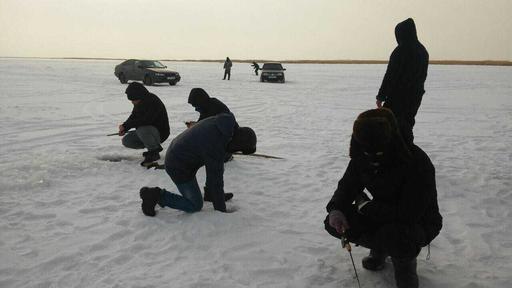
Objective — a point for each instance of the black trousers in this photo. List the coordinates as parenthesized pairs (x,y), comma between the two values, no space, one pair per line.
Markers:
(227,72)
(394,239)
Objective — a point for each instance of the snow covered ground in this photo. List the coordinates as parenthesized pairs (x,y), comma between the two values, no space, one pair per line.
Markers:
(70,219)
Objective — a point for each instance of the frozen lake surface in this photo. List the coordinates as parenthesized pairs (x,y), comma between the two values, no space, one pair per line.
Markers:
(70,219)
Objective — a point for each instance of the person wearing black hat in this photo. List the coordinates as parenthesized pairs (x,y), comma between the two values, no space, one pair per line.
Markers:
(400,215)
(203,144)
(402,87)
(150,120)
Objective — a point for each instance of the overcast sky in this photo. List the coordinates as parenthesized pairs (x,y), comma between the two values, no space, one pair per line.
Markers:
(252,29)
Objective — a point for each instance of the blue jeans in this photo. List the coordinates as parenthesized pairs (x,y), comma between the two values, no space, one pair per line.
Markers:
(189,201)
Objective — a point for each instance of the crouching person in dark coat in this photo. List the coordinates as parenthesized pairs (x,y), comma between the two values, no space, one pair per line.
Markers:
(207,107)
(401,214)
(150,120)
(204,104)
(204,144)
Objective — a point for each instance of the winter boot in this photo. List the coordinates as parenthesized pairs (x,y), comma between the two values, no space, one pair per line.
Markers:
(405,272)
(207,198)
(159,149)
(150,157)
(150,197)
(375,261)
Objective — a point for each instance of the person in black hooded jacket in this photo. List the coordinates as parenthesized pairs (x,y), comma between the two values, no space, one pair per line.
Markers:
(150,120)
(402,214)
(207,107)
(402,88)
(204,144)
(204,104)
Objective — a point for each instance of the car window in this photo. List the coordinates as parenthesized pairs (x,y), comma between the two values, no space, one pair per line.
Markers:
(152,64)
(272,66)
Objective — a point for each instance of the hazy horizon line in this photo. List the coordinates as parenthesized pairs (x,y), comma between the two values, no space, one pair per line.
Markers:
(302,61)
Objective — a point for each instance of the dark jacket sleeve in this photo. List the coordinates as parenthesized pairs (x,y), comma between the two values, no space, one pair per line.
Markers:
(144,115)
(348,188)
(215,182)
(390,78)
(412,201)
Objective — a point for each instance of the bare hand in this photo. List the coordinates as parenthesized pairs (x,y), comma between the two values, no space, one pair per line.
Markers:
(190,123)
(121,130)
(338,221)
(379,103)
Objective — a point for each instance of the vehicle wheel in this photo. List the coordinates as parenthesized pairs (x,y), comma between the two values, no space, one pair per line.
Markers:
(122,78)
(172,83)
(147,80)
(282,81)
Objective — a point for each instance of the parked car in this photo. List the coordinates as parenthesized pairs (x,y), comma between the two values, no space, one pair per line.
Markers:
(147,71)
(272,71)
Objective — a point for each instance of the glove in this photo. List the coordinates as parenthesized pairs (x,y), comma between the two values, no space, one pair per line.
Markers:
(338,221)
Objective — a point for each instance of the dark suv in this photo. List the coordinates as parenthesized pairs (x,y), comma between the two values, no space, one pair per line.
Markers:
(149,71)
(272,71)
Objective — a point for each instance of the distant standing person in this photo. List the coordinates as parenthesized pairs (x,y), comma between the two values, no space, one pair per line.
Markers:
(150,120)
(402,88)
(204,144)
(256,67)
(227,68)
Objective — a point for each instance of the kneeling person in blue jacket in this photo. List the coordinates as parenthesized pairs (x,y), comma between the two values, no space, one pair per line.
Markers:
(204,144)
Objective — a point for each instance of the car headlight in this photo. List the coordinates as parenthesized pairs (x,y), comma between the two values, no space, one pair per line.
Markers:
(280,74)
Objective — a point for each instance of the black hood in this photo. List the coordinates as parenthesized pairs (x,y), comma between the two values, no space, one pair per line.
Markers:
(198,97)
(406,32)
(136,91)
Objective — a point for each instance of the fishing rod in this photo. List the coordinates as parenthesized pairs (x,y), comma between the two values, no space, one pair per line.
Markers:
(345,244)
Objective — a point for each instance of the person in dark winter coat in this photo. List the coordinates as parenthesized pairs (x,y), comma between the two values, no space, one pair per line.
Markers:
(204,144)
(150,120)
(402,214)
(227,68)
(205,105)
(256,67)
(402,88)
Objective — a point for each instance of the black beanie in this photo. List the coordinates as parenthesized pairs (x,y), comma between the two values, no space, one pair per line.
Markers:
(244,139)
(136,91)
(197,97)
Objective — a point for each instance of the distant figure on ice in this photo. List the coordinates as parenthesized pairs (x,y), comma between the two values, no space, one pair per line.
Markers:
(204,144)
(402,214)
(149,118)
(207,107)
(403,85)
(256,67)
(227,68)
